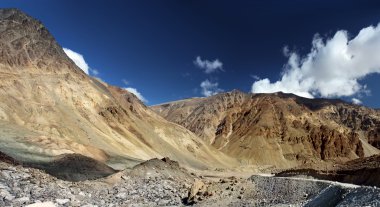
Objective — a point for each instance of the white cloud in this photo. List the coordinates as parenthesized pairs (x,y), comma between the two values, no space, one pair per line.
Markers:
(134,91)
(255,77)
(77,59)
(137,94)
(94,72)
(331,69)
(208,66)
(209,88)
(356,101)
(125,81)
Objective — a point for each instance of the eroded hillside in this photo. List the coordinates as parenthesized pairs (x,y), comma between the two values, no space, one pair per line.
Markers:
(279,129)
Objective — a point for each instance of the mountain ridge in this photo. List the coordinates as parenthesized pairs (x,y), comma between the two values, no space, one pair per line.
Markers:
(303,130)
(50,107)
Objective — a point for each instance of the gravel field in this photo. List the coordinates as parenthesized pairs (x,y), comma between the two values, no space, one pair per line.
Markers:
(165,183)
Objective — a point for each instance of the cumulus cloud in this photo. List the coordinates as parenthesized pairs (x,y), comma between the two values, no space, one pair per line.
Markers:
(77,59)
(333,67)
(210,88)
(137,94)
(208,66)
(356,101)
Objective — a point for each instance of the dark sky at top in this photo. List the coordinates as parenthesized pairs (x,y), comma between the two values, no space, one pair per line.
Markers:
(152,44)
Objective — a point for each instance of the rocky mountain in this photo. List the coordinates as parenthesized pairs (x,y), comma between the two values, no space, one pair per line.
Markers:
(281,130)
(50,107)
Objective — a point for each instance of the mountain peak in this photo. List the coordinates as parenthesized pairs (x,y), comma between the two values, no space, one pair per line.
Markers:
(25,43)
(13,13)
(236,91)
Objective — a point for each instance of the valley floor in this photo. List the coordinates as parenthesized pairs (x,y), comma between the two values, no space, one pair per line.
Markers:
(164,183)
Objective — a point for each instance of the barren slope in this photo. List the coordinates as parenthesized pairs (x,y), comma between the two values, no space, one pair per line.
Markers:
(279,129)
(48,107)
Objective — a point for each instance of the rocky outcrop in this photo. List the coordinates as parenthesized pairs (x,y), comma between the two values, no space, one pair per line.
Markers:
(374,137)
(328,143)
(360,119)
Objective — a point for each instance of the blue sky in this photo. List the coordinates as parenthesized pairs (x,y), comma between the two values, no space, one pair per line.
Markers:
(154,45)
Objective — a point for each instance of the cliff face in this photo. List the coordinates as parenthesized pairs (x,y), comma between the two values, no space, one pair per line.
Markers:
(361,119)
(49,107)
(278,129)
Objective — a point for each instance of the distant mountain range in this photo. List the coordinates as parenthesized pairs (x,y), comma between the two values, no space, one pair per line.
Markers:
(279,129)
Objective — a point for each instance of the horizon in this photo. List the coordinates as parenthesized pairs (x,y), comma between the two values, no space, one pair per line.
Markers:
(168,53)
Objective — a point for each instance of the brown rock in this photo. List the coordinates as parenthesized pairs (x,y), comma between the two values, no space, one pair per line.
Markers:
(197,186)
(278,129)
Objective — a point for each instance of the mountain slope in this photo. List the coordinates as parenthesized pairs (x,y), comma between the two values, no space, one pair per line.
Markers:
(49,107)
(278,129)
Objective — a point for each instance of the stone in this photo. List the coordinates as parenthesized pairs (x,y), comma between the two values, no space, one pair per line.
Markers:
(22,200)
(89,205)
(197,185)
(121,195)
(62,201)
(6,195)
(43,204)
(163,202)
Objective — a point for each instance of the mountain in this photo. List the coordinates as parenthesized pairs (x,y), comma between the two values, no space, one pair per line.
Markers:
(281,130)
(50,107)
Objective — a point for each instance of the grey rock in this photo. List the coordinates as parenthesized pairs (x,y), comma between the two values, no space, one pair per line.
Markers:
(22,200)
(62,201)
(121,195)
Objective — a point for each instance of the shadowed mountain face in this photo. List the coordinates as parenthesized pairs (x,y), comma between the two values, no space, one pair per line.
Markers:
(279,129)
(49,107)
